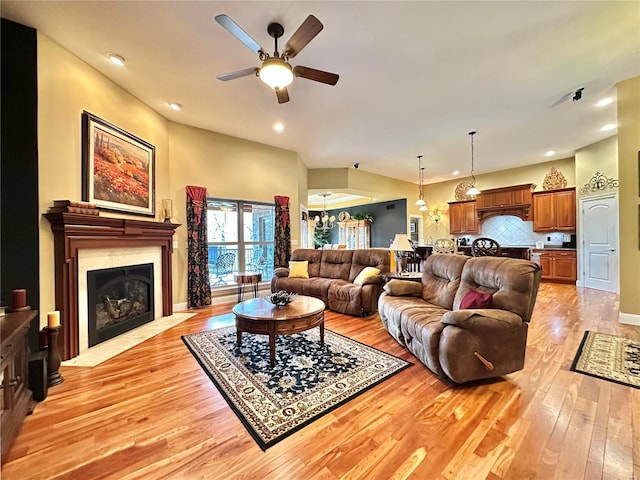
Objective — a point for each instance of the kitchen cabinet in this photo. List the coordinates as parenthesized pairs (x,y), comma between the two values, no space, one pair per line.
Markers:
(15,399)
(463,217)
(554,211)
(355,234)
(558,265)
(513,200)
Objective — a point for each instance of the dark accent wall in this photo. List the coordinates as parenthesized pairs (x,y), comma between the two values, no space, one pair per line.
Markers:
(389,218)
(19,257)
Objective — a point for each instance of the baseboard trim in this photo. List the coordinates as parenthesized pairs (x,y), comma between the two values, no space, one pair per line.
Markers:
(228,295)
(629,318)
(178,307)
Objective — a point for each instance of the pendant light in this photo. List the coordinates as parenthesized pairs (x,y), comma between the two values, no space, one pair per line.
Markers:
(420,200)
(472,189)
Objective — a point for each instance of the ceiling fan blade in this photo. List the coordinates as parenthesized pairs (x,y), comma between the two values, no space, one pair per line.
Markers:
(305,33)
(283,95)
(237,74)
(234,29)
(316,75)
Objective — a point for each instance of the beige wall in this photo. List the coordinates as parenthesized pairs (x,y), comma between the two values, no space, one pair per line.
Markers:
(228,167)
(628,148)
(600,157)
(66,87)
(377,187)
(235,168)
(439,194)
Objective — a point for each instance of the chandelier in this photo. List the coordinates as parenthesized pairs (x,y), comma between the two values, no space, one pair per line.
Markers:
(472,189)
(323,221)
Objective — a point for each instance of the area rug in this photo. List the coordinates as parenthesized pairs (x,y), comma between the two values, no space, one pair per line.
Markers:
(609,357)
(307,381)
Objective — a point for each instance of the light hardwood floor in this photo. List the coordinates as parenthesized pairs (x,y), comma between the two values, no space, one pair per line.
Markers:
(152,413)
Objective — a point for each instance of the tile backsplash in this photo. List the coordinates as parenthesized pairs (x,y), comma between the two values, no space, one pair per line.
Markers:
(510,230)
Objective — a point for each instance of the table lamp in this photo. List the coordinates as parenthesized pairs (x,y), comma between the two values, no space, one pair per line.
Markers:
(401,246)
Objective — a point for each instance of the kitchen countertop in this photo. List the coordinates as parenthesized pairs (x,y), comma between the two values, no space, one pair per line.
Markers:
(523,247)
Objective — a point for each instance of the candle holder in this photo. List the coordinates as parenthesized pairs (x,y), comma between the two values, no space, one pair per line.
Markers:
(53,357)
(167,209)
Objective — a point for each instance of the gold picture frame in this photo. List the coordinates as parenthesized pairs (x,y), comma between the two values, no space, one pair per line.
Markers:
(118,168)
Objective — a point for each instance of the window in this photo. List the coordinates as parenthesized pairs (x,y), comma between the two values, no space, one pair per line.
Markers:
(239,242)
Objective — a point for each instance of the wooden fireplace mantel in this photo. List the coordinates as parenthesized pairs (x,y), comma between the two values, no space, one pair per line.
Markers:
(72,232)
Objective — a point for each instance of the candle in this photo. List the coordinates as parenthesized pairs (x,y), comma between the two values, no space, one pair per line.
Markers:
(53,319)
(167,208)
(19,298)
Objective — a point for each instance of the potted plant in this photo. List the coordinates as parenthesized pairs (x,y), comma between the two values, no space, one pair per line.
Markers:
(362,216)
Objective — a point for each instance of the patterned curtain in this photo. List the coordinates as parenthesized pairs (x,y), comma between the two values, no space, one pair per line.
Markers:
(282,234)
(198,287)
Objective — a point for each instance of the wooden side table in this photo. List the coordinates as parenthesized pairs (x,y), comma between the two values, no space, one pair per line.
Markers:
(247,278)
(413,276)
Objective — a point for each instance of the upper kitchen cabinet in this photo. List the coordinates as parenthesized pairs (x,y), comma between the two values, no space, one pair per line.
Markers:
(554,210)
(512,200)
(463,217)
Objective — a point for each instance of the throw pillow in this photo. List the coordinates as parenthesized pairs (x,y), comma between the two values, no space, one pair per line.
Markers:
(398,288)
(476,299)
(365,273)
(299,269)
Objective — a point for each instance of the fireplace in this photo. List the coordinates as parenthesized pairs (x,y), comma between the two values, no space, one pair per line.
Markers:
(119,299)
(104,242)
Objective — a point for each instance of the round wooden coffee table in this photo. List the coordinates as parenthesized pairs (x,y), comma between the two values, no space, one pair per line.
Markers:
(259,316)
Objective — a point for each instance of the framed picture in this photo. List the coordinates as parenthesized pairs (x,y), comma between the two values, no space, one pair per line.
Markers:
(412,227)
(118,168)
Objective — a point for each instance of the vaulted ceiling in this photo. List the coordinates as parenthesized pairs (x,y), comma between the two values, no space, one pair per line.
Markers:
(415,77)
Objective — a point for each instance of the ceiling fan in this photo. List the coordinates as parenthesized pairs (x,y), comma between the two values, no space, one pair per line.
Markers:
(276,70)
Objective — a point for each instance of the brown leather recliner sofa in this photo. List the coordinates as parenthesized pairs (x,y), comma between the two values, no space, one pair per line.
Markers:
(464,344)
(331,276)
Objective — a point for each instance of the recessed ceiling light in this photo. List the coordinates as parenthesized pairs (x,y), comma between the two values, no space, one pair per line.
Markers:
(278,127)
(117,59)
(604,101)
(176,106)
(456,172)
(550,153)
(608,126)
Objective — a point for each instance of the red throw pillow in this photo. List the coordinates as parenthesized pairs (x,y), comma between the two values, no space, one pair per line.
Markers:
(476,299)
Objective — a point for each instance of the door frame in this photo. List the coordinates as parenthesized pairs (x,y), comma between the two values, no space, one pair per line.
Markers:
(580,243)
(420,227)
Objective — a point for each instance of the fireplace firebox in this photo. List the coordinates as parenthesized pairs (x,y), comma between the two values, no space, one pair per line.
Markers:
(119,299)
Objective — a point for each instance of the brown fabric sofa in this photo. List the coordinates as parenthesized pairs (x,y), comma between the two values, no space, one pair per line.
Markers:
(469,344)
(331,276)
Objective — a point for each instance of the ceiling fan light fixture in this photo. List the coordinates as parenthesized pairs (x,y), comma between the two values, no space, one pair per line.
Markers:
(276,73)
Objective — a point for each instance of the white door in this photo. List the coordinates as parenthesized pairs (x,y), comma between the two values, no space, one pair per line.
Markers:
(600,258)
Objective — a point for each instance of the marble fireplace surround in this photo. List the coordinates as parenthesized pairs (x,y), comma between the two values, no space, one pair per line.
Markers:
(81,237)
(100,258)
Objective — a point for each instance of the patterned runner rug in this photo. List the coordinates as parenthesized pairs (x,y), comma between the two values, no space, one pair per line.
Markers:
(609,357)
(307,382)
